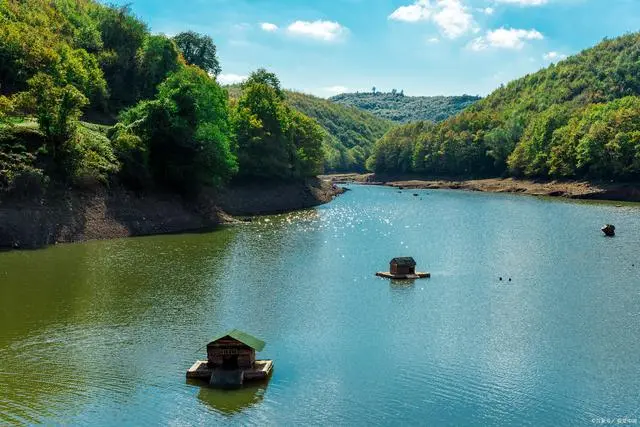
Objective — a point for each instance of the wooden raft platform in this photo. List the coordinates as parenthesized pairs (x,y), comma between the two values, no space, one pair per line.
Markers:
(418,275)
(261,370)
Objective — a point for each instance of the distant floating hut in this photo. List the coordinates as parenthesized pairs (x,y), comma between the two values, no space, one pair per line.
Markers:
(403,268)
(231,360)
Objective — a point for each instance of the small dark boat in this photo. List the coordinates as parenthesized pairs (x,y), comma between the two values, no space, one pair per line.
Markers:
(609,230)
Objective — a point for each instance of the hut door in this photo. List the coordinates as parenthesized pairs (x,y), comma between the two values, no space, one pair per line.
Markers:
(230,362)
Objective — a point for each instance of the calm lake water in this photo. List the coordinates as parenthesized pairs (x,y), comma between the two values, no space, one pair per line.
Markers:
(102,333)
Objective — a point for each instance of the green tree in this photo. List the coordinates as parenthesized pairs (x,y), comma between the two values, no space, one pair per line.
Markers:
(199,50)
(184,132)
(122,35)
(81,69)
(502,140)
(307,138)
(275,141)
(157,58)
(532,153)
(261,123)
(57,108)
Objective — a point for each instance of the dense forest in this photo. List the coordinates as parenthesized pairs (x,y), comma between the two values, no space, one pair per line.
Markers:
(89,95)
(349,133)
(400,108)
(579,118)
(64,63)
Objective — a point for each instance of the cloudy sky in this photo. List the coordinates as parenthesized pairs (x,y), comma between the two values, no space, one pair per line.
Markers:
(425,47)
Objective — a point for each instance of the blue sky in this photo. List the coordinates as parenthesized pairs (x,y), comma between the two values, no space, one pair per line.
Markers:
(425,47)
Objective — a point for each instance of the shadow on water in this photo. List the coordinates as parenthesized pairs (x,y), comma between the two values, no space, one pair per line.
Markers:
(230,402)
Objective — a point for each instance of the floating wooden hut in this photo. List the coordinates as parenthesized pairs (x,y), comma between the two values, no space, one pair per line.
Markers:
(231,360)
(403,268)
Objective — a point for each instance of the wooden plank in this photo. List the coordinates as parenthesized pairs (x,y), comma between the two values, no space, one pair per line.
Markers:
(418,275)
(261,370)
(200,369)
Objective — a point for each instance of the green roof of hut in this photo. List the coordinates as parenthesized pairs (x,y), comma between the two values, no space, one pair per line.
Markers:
(404,261)
(243,337)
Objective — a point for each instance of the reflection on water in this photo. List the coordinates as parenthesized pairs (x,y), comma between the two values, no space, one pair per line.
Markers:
(230,402)
(103,332)
(402,283)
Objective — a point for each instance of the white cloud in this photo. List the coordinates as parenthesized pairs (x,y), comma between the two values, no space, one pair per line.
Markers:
(452,16)
(229,79)
(512,38)
(488,10)
(552,56)
(335,90)
(478,44)
(524,2)
(433,40)
(503,38)
(419,11)
(269,27)
(320,30)
(241,26)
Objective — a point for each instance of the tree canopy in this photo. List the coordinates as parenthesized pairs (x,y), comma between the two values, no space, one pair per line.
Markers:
(184,132)
(274,141)
(198,50)
(65,60)
(399,108)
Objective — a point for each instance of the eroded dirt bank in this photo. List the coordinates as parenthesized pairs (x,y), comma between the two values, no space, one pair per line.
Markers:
(64,216)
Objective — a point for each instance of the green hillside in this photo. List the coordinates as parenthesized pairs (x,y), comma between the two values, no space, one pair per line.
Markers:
(397,107)
(349,133)
(171,124)
(577,118)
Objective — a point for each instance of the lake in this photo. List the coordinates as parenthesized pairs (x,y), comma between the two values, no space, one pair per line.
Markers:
(102,333)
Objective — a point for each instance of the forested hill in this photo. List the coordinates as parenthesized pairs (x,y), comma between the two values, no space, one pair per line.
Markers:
(578,118)
(398,107)
(349,133)
(173,125)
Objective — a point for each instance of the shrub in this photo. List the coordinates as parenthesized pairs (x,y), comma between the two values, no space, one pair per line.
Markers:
(134,159)
(18,172)
(90,158)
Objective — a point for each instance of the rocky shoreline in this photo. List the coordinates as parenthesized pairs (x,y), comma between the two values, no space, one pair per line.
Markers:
(629,192)
(65,216)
